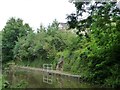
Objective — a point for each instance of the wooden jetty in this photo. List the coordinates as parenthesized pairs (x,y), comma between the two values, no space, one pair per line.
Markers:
(54,72)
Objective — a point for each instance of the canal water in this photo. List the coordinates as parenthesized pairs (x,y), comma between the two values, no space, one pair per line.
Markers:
(37,79)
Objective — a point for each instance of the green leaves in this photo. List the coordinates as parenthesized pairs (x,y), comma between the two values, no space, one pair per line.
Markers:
(43,44)
(11,32)
(98,47)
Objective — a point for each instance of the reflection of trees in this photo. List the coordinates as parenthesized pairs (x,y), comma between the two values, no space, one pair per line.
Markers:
(60,82)
(12,78)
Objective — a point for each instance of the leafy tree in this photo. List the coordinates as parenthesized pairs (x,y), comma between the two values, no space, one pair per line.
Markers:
(76,20)
(99,45)
(14,28)
(41,29)
(52,28)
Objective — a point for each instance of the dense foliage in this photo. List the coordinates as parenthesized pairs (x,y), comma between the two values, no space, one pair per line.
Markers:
(93,52)
(99,55)
(14,28)
(44,45)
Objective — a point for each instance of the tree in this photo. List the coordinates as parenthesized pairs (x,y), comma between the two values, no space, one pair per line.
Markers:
(14,28)
(52,28)
(100,47)
(76,20)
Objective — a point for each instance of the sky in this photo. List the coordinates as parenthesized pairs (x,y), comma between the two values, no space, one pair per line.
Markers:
(35,12)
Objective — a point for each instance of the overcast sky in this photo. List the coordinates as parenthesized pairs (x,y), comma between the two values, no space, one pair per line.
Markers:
(35,12)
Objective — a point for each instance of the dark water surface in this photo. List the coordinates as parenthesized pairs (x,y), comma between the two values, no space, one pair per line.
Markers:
(37,79)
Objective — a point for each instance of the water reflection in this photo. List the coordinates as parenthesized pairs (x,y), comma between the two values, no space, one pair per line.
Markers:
(37,79)
(47,77)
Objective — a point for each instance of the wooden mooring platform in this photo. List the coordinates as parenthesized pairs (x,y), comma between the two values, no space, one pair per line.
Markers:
(54,72)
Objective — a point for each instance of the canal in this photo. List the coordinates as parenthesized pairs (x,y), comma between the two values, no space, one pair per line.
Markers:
(37,79)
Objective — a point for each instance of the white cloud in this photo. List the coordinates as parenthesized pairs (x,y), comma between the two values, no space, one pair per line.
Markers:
(35,12)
